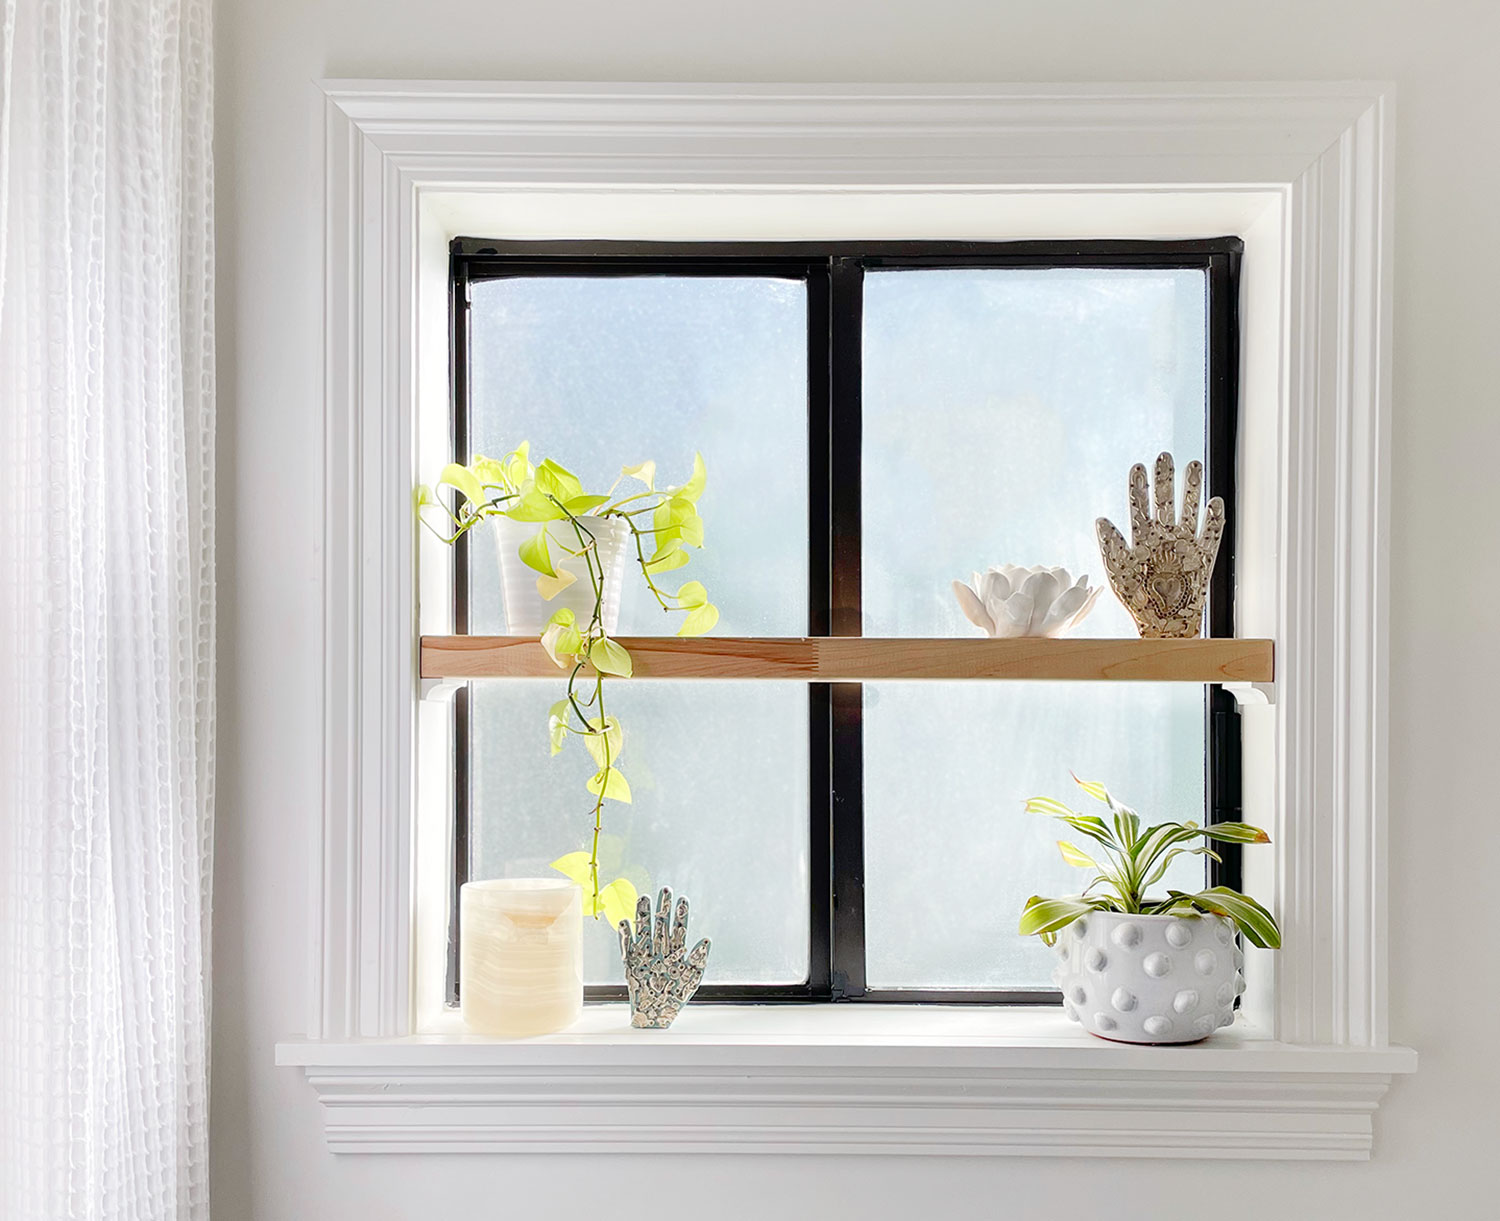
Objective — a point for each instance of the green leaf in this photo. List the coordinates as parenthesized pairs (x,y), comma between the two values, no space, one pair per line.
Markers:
(644,471)
(1158,838)
(533,506)
(580,505)
(534,554)
(423,496)
(1235,833)
(1249,916)
(613,784)
(459,476)
(692,594)
(1095,790)
(669,542)
(697,622)
(490,473)
(617,902)
(557,724)
(557,481)
(675,558)
(575,866)
(1050,915)
(1049,806)
(607,732)
(673,512)
(517,464)
(1074,855)
(610,658)
(693,488)
(563,643)
(1162,866)
(550,587)
(564,616)
(1094,828)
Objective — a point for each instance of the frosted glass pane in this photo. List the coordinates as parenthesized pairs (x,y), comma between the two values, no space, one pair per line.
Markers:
(1002,412)
(950,855)
(719,776)
(600,372)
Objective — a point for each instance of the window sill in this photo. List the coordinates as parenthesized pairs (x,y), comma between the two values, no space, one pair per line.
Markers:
(848,1079)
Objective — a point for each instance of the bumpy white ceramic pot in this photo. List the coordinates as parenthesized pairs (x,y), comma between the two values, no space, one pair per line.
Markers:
(526,611)
(1149,979)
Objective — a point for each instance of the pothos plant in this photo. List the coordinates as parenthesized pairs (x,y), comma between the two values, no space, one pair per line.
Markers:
(1134,859)
(663,523)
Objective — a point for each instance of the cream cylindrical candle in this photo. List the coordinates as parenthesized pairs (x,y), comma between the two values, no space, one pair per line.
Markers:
(521,967)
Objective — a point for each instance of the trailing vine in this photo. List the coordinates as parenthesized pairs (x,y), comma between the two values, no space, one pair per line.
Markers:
(553,497)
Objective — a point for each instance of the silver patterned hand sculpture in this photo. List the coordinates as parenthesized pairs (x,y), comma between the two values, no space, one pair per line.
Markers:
(1162,576)
(660,973)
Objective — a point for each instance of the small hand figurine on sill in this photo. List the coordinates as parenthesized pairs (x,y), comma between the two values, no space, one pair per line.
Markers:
(660,973)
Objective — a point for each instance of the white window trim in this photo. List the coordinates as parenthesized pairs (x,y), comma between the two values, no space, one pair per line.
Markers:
(1304,1076)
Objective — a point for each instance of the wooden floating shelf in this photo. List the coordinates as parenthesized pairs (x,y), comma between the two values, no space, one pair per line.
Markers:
(861,658)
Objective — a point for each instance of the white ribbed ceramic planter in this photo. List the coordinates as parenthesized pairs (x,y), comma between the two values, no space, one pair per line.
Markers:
(526,612)
(1149,979)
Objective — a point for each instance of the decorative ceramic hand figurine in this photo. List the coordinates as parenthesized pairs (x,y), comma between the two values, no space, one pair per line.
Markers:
(659,974)
(1162,576)
(1013,601)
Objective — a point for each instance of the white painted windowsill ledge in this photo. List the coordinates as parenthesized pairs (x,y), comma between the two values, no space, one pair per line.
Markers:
(848,1079)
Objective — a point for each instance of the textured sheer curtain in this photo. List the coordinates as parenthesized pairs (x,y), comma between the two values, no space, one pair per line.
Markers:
(106,607)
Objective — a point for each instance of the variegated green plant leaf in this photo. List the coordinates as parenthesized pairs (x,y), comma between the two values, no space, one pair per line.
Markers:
(1049,915)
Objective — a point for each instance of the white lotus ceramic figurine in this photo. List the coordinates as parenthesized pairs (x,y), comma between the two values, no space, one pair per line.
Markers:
(1015,601)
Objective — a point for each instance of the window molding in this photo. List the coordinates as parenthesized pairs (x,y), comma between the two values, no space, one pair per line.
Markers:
(1312,556)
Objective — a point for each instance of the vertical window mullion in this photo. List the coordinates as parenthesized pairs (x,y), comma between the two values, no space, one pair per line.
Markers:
(846,619)
(819,612)
(1223,755)
(458,390)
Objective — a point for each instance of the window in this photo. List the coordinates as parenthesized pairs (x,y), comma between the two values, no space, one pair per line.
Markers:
(897,416)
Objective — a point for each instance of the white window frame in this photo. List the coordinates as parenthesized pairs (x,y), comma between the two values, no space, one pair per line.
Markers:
(1303,172)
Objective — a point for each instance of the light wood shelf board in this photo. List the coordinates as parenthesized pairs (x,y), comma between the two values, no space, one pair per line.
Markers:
(854,659)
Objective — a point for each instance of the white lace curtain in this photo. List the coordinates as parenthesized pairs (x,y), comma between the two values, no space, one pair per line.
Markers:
(106,607)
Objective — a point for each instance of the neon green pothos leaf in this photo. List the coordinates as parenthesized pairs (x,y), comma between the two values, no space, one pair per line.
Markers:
(697,622)
(550,587)
(610,658)
(692,594)
(616,902)
(557,724)
(458,476)
(612,783)
(575,867)
(517,464)
(675,558)
(534,553)
(644,471)
(606,733)
(533,506)
(580,505)
(557,481)
(693,488)
(563,643)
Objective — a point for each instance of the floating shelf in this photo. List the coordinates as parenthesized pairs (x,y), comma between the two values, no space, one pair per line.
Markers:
(861,658)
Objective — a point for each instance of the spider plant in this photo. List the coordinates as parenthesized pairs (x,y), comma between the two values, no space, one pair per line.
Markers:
(1136,858)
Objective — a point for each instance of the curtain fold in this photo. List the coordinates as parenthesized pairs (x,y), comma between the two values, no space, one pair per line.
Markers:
(106,607)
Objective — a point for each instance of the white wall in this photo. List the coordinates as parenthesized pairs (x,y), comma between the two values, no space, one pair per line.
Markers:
(1436,1133)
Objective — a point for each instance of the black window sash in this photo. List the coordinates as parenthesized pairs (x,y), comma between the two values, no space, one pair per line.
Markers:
(833,274)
